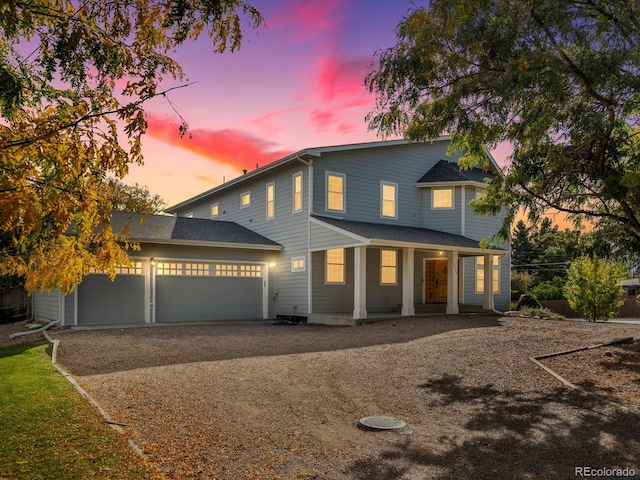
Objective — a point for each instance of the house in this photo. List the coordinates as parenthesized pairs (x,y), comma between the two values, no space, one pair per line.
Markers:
(333,234)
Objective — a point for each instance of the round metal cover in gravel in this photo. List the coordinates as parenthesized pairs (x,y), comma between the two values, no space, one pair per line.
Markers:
(382,423)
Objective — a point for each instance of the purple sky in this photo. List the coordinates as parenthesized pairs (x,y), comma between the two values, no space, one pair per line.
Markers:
(296,83)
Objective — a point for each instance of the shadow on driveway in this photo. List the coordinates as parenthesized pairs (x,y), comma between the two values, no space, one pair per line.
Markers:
(90,352)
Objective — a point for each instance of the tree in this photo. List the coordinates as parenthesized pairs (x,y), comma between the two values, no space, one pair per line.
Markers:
(133,198)
(559,80)
(74,77)
(593,288)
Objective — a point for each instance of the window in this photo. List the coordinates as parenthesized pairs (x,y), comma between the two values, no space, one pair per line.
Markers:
(335,191)
(388,199)
(237,270)
(134,269)
(213,212)
(189,215)
(335,266)
(298,264)
(245,199)
(442,198)
(388,267)
(168,268)
(196,269)
(480,274)
(297,192)
(271,200)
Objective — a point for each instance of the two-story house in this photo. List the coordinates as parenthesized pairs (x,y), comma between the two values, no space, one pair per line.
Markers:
(334,234)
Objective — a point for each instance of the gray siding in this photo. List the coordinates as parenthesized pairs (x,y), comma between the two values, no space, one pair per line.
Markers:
(332,298)
(46,305)
(502,299)
(69,309)
(443,220)
(287,228)
(323,238)
(478,226)
(382,298)
(366,168)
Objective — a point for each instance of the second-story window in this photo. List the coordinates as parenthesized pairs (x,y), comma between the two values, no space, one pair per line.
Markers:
(214,210)
(245,199)
(297,192)
(388,199)
(442,198)
(335,191)
(271,200)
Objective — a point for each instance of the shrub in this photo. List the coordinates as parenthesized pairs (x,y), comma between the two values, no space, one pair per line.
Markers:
(544,313)
(528,300)
(593,288)
(552,290)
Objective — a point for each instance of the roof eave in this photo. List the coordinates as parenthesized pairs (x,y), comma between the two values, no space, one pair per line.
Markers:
(472,183)
(201,243)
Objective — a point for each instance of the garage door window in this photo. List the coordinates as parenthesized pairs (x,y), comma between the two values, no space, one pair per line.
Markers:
(237,270)
(134,269)
(169,268)
(196,269)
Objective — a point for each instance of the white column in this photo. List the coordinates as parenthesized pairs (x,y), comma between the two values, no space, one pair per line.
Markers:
(452,283)
(146,271)
(360,283)
(487,300)
(265,270)
(408,308)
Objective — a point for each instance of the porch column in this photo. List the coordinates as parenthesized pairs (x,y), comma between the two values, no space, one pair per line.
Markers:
(487,300)
(408,308)
(452,283)
(359,283)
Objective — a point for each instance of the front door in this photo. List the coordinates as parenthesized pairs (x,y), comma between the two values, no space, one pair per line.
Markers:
(435,281)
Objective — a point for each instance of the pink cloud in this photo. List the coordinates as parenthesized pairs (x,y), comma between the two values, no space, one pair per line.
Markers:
(268,122)
(322,119)
(305,20)
(347,128)
(227,146)
(341,78)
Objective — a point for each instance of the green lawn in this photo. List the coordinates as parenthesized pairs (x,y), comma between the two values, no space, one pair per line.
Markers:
(49,431)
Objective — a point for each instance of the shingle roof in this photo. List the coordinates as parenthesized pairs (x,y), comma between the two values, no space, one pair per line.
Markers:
(159,228)
(444,171)
(401,233)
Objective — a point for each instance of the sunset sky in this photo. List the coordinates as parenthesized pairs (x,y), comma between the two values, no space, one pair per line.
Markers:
(297,83)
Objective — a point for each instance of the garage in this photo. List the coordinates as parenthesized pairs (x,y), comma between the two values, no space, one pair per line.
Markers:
(204,291)
(105,302)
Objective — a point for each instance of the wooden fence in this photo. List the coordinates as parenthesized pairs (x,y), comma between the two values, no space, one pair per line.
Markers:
(629,309)
(14,304)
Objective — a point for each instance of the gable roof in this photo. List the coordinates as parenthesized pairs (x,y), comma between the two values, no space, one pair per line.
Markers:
(449,172)
(403,234)
(187,231)
(300,156)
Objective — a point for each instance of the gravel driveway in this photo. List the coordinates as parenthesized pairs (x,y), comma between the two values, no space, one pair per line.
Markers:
(282,402)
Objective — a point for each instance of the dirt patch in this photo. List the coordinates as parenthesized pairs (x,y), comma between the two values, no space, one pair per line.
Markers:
(612,371)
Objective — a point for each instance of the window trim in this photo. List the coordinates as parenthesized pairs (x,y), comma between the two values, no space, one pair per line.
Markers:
(344,191)
(242,195)
(394,266)
(453,198)
(496,274)
(272,186)
(326,267)
(303,268)
(383,184)
(211,207)
(294,193)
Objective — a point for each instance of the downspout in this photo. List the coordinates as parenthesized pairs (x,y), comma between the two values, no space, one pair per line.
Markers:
(309,164)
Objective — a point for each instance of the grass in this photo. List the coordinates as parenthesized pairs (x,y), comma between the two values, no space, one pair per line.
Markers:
(49,431)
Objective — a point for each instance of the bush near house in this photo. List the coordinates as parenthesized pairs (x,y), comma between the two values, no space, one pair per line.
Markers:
(528,300)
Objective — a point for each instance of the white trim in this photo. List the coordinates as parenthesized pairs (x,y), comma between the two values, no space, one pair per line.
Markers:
(293,192)
(450,184)
(243,194)
(344,266)
(396,267)
(304,263)
(384,183)
(217,205)
(453,198)
(463,209)
(327,174)
(273,201)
